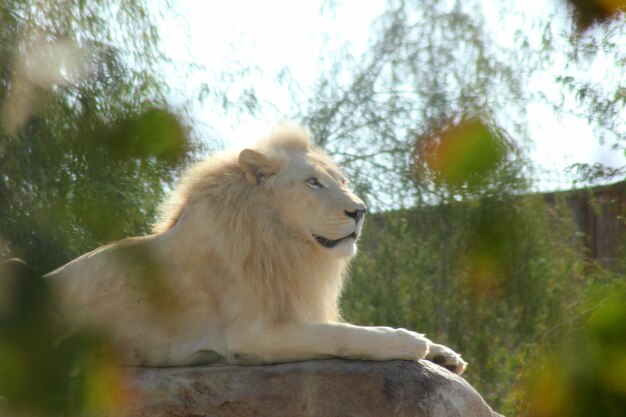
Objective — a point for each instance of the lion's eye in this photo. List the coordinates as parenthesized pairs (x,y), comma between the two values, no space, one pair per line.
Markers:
(314,183)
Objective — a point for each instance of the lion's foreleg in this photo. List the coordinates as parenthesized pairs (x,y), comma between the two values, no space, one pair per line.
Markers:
(258,343)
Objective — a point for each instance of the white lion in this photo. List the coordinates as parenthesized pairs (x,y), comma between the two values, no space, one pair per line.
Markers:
(246,265)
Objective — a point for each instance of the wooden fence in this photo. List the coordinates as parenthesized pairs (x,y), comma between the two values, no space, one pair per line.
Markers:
(600,213)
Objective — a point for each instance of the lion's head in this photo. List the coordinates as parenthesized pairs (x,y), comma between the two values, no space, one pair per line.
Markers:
(309,190)
(282,179)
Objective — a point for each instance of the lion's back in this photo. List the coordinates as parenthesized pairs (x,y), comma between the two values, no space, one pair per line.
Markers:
(99,279)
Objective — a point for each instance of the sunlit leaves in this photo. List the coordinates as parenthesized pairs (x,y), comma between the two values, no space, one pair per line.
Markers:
(590,173)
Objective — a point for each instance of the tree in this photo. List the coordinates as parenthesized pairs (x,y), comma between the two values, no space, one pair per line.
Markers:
(88,147)
(430,62)
(87,143)
(437,63)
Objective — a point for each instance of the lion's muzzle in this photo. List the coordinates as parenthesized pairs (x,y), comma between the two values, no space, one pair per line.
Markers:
(357,215)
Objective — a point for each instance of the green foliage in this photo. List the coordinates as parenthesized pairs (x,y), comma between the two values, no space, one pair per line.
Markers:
(66,191)
(43,370)
(88,147)
(586,373)
(86,141)
(491,277)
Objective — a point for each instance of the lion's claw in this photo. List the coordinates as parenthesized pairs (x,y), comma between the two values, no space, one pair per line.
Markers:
(447,358)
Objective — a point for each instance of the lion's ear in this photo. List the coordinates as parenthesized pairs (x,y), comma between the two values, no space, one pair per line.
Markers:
(255,165)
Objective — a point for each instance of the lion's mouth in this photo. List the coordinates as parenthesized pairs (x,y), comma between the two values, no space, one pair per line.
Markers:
(329,244)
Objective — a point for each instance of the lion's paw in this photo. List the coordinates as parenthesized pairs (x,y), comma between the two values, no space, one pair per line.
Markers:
(402,344)
(446,357)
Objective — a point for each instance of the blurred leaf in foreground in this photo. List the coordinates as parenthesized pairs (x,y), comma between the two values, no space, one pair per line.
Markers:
(589,12)
(154,133)
(461,154)
(43,369)
(586,374)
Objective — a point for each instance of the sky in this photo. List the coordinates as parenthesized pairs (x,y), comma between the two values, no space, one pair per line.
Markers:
(276,34)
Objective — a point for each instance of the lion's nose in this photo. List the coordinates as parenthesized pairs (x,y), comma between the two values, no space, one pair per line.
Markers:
(357,215)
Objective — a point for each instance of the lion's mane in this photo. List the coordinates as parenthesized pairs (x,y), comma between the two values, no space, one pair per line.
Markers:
(215,206)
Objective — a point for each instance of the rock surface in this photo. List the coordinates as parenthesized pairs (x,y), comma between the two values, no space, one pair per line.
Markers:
(328,388)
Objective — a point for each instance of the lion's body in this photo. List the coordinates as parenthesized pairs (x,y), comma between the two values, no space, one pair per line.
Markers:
(246,265)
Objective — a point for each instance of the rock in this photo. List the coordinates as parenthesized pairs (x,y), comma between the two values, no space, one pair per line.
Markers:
(329,388)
